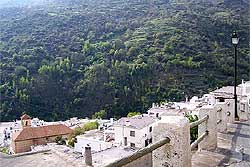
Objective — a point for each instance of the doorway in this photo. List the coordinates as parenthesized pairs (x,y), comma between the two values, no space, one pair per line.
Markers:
(125,141)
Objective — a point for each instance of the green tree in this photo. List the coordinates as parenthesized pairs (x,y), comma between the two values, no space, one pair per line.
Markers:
(102,114)
(131,114)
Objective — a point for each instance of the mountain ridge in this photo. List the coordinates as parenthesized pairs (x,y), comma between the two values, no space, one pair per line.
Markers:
(75,58)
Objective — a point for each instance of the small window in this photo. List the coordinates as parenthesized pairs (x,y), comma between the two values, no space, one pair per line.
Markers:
(242,107)
(150,141)
(132,133)
(132,145)
(221,100)
(150,129)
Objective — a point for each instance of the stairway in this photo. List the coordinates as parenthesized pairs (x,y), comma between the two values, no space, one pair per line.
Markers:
(233,149)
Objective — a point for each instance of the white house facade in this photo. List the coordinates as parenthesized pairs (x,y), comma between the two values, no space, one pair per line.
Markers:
(135,132)
(226,95)
(94,139)
(95,144)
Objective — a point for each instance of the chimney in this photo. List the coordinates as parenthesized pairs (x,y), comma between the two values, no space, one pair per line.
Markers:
(153,105)
(88,156)
(244,91)
(112,120)
(127,123)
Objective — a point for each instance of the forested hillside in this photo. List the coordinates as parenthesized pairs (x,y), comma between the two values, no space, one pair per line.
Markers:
(64,58)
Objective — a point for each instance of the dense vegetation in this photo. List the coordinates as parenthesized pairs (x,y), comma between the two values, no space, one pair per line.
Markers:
(76,57)
(194,130)
(81,130)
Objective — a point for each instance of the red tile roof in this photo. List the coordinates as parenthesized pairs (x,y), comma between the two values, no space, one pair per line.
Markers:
(42,131)
(25,116)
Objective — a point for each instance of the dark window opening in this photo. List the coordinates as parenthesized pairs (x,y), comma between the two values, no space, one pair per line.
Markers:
(221,100)
(150,141)
(125,141)
(132,133)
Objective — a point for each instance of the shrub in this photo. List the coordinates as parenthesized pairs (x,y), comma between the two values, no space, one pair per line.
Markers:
(4,150)
(59,140)
(100,115)
(71,141)
(90,126)
(194,130)
(131,114)
(80,130)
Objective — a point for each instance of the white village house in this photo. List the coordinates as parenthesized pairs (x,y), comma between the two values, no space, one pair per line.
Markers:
(225,95)
(181,108)
(135,132)
(94,139)
(98,140)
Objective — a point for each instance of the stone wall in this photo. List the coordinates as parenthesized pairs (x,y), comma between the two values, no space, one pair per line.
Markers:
(145,161)
(178,152)
(243,109)
(25,145)
(210,141)
(221,116)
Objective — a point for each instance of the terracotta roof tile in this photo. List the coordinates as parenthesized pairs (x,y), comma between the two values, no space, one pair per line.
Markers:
(42,131)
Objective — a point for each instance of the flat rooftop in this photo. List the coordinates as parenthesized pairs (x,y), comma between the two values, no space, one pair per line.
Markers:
(137,122)
(228,91)
(168,111)
(65,157)
(93,134)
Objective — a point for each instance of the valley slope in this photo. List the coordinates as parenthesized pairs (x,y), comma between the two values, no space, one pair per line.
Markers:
(76,57)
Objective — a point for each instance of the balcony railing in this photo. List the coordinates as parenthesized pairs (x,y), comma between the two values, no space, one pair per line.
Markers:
(194,124)
(219,111)
(198,122)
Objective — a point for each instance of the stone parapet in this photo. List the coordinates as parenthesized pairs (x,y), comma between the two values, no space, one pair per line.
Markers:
(229,109)
(221,117)
(210,141)
(178,152)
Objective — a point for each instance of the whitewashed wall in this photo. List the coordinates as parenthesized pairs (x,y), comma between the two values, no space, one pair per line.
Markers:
(94,144)
(140,135)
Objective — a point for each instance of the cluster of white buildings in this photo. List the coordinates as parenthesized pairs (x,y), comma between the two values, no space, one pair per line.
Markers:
(127,132)
(136,132)
(225,94)
(8,128)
